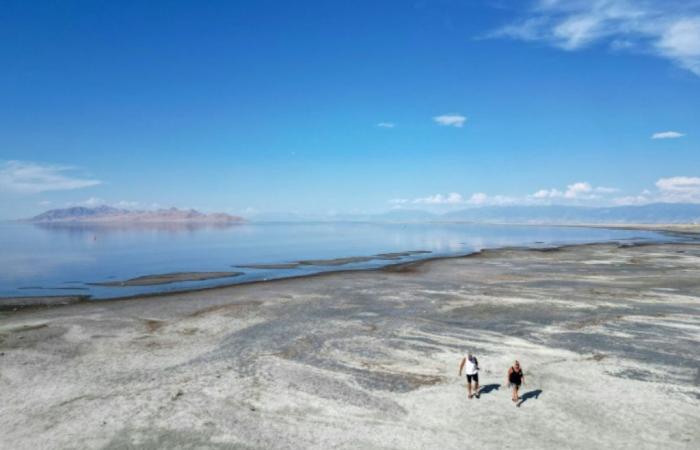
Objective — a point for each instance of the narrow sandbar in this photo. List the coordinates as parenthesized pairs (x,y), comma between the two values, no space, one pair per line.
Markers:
(336,261)
(166,278)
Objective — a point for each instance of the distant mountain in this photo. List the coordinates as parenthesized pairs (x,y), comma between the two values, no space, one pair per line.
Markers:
(108,214)
(399,215)
(656,213)
(554,214)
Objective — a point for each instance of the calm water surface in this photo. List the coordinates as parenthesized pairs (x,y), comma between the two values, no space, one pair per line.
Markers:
(62,260)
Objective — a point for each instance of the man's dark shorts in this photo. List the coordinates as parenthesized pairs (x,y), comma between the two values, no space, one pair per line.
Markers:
(474,378)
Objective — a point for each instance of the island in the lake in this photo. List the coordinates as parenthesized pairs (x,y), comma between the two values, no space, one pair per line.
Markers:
(109,215)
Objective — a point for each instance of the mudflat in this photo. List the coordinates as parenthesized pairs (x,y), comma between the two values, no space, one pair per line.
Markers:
(608,338)
(166,278)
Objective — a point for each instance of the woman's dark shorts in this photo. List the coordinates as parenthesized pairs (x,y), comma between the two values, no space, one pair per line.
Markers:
(474,377)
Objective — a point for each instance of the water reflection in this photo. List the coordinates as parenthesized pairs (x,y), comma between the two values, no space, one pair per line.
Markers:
(48,256)
(105,228)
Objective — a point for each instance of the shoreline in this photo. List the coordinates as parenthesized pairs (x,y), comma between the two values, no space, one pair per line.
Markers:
(398,267)
(51,301)
(368,359)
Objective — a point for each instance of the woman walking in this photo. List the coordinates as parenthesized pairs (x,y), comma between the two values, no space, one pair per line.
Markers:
(515,379)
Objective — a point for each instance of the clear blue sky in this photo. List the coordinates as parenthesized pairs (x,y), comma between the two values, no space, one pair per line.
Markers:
(319,106)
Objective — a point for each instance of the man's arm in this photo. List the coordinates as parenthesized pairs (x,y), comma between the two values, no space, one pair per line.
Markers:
(461,366)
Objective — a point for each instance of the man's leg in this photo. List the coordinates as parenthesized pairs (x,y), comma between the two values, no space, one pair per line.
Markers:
(476,385)
(469,387)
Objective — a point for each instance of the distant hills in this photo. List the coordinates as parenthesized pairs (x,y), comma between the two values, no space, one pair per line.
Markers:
(107,214)
(651,213)
(656,213)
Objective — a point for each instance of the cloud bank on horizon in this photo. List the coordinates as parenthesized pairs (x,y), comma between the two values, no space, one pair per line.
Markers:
(667,190)
(31,178)
(668,29)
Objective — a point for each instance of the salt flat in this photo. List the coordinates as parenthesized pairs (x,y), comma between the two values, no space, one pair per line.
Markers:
(608,337)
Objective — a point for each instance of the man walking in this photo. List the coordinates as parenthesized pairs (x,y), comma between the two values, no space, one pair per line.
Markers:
(471,367)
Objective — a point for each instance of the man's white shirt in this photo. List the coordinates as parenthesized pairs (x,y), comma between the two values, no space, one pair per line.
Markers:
(470,367)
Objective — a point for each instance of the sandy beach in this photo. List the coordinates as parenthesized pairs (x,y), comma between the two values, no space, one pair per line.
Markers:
(608,337)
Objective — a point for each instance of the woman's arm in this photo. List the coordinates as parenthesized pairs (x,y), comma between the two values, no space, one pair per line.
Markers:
(461,366)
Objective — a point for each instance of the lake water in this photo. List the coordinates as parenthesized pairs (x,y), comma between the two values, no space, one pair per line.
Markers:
(63,260)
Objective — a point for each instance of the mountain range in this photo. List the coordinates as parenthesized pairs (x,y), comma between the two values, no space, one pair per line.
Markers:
(655,213)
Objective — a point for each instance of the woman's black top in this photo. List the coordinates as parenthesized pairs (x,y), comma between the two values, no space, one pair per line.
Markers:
(515,376)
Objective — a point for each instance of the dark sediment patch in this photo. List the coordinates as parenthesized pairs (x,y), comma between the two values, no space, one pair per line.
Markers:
(61,288)
(280,266)
(153,325)
(166,278)
(228,308)
(398,255)
(32,336)
(336,261)
(17,303)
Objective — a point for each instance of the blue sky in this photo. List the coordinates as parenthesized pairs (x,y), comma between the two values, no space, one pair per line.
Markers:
(363,106)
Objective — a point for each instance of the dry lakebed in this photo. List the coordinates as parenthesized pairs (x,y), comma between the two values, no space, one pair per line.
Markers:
(608,336)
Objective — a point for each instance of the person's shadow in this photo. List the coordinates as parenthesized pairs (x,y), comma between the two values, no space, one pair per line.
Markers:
(489,388)
(528,395)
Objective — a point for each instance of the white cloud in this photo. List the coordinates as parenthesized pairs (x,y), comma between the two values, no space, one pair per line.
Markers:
(386,125)
(606,190)
(679,184)
(452,198)
(667,135)
(126,204)
(479,198)
(669,29)
(482,199)
(580,190)
(679,189)
(681,42)
(669,190)
(31,178)
(548,193)
(91,202)
(450,120)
